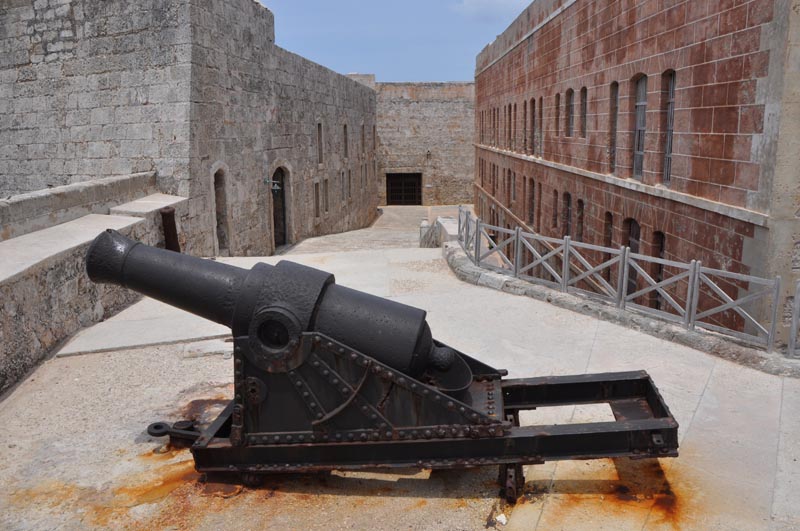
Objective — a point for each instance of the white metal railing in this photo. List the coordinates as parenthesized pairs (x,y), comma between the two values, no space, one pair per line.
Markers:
(662,288)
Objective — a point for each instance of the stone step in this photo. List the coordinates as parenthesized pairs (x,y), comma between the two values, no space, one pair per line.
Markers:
(20,254)
(147,206)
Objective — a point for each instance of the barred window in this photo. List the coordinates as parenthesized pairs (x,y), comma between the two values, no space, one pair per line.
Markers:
(570,110)
(668,94)
(613,116)
(641,126)
(584,111)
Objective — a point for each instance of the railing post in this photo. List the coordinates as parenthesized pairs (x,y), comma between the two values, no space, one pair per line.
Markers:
(466,235)
(795,323)
(698,269)
(689,293)
(776,299)
(517,251)
(622,277)
(565,265)
(460,224)
(477,242)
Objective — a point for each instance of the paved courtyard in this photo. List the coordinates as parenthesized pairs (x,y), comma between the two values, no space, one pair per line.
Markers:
(77,456)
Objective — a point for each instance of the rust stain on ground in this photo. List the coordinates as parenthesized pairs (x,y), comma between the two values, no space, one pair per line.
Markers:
(642,486)
(164,480)
(197,409)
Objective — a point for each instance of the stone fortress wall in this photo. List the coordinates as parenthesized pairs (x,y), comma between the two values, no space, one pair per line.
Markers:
(110,110)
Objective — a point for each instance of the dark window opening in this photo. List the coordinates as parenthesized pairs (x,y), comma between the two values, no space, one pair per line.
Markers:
(632,232)
(570,111)
(613,116)
(558,115)
(531,202)
(579,221)
(345,142)
(566,211)
(316,200)
(279,225)
(668,95)
(319,144)
(640,115)
(403,188)
(221,211)
(584,111)
(555,209)
(608,241)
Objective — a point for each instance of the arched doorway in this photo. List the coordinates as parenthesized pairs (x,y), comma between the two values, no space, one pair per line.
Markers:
(279,224)
(221,213)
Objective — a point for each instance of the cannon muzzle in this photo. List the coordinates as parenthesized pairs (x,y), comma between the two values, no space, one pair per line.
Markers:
(202,287)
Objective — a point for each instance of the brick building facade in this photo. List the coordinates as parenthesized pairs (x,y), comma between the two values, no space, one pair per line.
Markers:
(666,126)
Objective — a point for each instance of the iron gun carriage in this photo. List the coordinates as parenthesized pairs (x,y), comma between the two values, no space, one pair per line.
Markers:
(326,377)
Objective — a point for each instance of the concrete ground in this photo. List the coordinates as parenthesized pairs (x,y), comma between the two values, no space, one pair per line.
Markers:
(76,454)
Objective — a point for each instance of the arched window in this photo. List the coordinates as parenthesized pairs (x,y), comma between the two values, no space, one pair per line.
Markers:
(541,127)
(570,110)
(659,251)
(579,221)
(668,120)
(566,211)
(613,117)
(558,114)
(555,209)
(533,125)
(345,143)
(531,201)
(632,232)
(640,127)
(221,212)
(608,241)
(584,111)
(525,126)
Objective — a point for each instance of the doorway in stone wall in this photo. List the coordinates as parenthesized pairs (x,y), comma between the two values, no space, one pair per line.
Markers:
(403,188)
(279,208)
(221,213)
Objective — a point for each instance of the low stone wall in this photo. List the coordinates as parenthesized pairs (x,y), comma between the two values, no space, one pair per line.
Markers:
(32,211)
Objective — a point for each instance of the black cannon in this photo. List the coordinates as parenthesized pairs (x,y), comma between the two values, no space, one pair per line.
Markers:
(326,377)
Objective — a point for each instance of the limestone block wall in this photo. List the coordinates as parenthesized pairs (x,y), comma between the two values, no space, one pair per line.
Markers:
(257,108)
(428,128)
(91,89)
(32,211)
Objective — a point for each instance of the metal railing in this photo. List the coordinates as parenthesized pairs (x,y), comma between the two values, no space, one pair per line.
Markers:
(690,294)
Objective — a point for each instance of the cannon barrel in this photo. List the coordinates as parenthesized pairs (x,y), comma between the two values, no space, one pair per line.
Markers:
(273,305)
(202,287)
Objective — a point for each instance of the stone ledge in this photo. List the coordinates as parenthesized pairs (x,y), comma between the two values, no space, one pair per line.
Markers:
(36,249)
(707,342)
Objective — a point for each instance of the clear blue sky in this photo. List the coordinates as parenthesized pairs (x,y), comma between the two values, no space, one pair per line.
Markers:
(397,40)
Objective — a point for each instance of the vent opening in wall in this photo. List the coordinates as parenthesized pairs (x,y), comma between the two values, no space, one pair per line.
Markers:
(403,188)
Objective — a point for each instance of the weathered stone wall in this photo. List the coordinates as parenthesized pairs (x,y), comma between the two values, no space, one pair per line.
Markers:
(428,128)
(91,89)
(25,213)
(256,108)
(184,88)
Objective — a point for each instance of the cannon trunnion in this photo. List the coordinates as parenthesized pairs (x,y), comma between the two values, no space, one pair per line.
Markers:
(326,377)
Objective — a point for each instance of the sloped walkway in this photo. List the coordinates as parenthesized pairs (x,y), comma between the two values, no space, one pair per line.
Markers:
(77,456)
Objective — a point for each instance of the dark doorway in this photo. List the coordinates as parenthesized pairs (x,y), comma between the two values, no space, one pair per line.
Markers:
(221,213)
(633,233)
(403,188)
(279,207)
